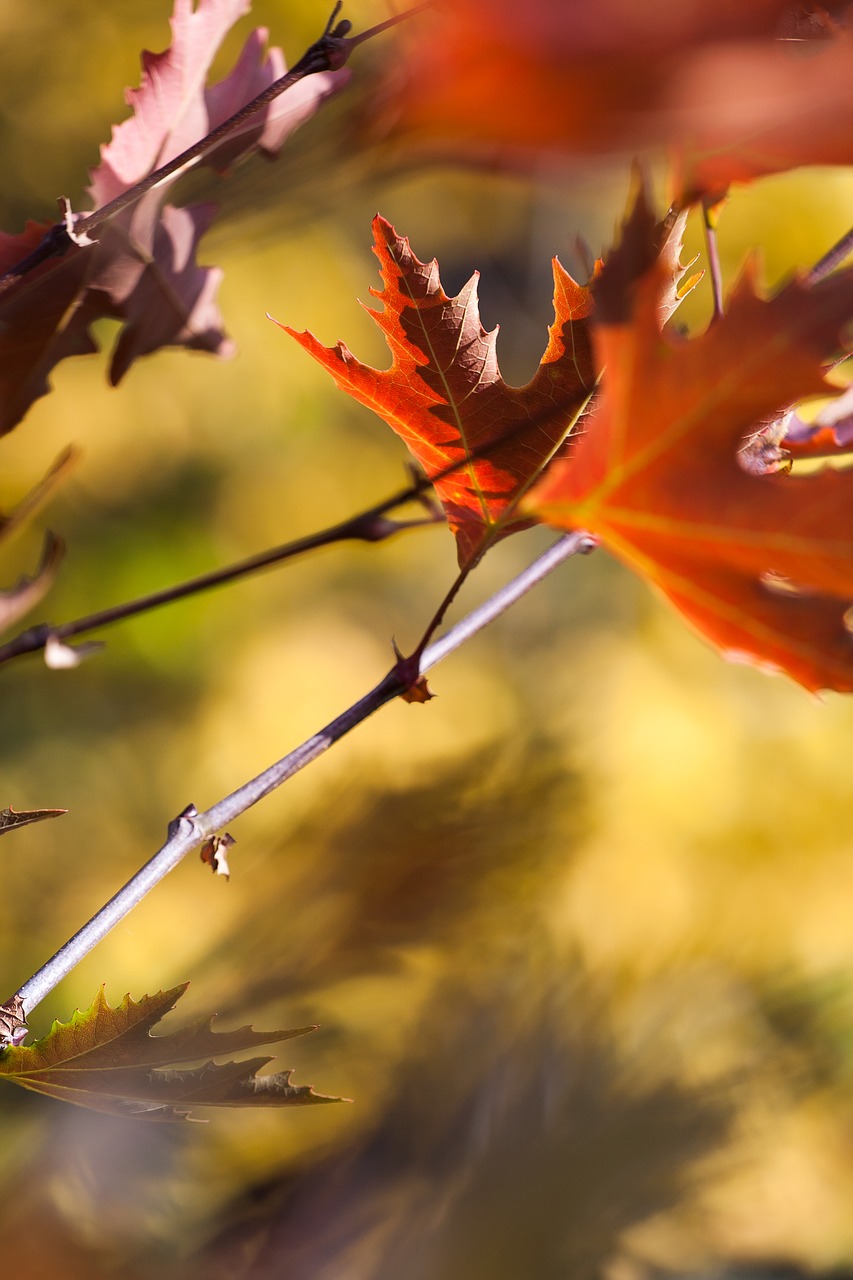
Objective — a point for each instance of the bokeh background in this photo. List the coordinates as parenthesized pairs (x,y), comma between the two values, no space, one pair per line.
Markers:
(578,933)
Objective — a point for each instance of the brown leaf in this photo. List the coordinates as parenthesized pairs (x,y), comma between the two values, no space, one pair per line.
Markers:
(106,1059)
(11,819)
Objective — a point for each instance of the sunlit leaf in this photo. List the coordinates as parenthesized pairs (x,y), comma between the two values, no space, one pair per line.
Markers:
(445,397)
(760,564)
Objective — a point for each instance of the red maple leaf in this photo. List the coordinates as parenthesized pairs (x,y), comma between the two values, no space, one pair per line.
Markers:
(760,564)
(444,395)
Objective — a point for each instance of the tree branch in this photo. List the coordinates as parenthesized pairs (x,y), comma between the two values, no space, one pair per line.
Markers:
(192,829)
(831,259)
(372,525)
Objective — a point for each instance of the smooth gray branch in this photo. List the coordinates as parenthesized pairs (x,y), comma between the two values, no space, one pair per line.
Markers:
(192,829)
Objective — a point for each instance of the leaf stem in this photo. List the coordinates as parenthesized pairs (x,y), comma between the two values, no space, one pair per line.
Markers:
(710,217)
(831,259)
(192,829)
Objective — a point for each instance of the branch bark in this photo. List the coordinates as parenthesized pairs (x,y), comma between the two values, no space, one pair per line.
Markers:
(192,829)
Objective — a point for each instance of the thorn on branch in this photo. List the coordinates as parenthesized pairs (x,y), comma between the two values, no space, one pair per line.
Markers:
(408,671)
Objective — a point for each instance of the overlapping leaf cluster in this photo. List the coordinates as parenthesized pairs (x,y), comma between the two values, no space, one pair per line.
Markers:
(724,87)
(761,564)
(142,268)
(627,429)
(659,467)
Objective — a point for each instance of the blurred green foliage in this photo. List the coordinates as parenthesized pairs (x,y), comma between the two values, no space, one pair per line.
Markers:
(578,932)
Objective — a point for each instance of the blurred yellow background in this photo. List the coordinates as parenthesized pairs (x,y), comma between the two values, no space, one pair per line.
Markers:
(578,932)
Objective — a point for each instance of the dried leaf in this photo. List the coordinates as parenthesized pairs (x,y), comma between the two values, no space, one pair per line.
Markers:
(11,819)
(444,395)
(106,1059)
(213,854)
(13,1024)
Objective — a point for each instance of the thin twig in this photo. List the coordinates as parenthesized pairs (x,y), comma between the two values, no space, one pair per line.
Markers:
(831,259)
(191,829)
(368,526)
(413,663)
(372,525)
(710,215)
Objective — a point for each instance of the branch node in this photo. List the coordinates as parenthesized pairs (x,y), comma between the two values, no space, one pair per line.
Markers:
(408,672)
(184,824)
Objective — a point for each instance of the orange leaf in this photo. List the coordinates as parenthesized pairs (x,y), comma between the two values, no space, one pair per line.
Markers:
(498,81)
(444,395)
(762,565)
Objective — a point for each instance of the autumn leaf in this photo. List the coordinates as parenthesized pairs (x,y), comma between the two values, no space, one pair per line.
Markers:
(760,564)
(106,1059)
(142,268)
(444,395)
(145,259)
(12,819)
(34,328)
(788,111)
(710,82)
